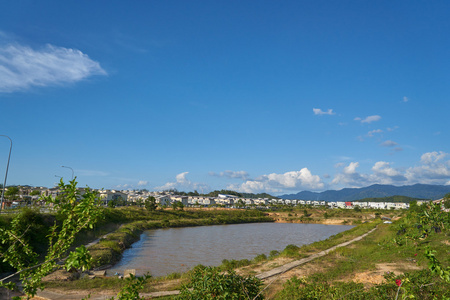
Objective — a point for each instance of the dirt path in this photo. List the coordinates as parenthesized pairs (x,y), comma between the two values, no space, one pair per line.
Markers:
(296,263)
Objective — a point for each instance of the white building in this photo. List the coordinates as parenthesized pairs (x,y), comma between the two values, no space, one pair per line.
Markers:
(163,200)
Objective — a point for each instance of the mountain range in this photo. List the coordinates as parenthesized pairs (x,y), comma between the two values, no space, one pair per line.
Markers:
(419,191)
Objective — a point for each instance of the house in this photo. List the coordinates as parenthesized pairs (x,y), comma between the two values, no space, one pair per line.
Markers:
(163,200)
(112,195)
(249,201)
(182,199)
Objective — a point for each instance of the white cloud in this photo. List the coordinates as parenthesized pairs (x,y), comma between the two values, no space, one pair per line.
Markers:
(372,132)
(349,177)
(383,173)
(392,128)
(182,183)
(430,158)
(368,119)
(142,183)
(389,143)
(231,174)
(338,165)
(318,111)
(123,186)
(293,180)
(405,99)
(432,169)
(22,67)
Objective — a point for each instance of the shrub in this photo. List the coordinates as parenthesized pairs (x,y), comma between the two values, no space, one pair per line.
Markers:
(291,250)
(260,258)
(274,253)
(209,283)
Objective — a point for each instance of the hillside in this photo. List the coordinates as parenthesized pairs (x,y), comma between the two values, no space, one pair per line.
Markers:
(419,191)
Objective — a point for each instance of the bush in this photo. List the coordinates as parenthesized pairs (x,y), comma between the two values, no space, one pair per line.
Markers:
(210,283)
(274,253)
(291,250)
(296,288)
(228,265)
(260,258)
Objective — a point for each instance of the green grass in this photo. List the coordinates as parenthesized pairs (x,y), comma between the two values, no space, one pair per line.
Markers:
(395,243)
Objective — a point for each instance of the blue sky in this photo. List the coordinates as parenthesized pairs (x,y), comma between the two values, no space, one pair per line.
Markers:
(255,96)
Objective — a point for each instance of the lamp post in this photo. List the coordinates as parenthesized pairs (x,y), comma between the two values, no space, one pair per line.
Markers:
(68,168)
(7,167)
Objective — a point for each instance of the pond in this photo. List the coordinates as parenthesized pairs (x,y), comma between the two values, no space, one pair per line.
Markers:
(164,251)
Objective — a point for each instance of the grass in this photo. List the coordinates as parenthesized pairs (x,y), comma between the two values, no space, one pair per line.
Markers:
(384,246)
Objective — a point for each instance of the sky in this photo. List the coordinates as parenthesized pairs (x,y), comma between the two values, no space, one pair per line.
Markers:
(253,96)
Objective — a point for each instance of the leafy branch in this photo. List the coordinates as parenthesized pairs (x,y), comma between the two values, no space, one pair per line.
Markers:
(77,212)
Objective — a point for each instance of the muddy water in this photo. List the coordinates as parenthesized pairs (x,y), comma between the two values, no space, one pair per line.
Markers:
(164,251)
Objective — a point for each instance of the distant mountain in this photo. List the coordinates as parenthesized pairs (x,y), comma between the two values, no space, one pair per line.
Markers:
(420,191)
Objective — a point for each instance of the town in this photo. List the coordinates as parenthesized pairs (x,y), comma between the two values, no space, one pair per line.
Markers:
(19,196)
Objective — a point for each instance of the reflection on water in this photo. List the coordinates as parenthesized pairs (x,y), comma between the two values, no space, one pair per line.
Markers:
(164,251)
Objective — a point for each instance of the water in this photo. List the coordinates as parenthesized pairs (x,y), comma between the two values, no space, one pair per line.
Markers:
(164,251)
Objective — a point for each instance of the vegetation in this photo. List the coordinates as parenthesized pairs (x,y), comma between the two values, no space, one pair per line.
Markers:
(420,237)
(211,283)
(150,203)
(75,212)
(12,193)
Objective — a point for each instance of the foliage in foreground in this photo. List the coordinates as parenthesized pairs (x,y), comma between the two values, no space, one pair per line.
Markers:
(416,229)
(211,283)
(132,287)
(416,285)
(76,212)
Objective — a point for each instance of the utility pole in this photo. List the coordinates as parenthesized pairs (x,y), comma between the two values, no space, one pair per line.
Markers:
(6,174)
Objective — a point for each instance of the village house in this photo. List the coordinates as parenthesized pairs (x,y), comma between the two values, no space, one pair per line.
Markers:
(112,195)
(178,198)
(163,200)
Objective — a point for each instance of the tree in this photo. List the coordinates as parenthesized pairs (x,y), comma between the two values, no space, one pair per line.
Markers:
(12,193)
(177,204)
(150,203)
(240,203)
(76,212)
(139,202)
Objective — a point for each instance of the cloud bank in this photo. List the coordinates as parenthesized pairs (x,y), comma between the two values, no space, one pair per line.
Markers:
(183,184)
(293,180)
(22,67)
(432,169)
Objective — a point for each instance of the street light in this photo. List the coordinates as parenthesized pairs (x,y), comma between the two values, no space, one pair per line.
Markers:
(7,167)
(68,168)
